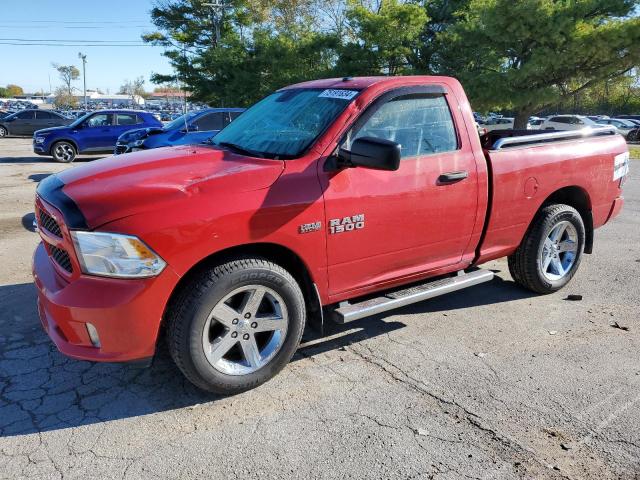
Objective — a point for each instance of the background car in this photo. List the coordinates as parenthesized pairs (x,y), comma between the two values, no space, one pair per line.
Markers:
(534,123)
(567,122)
(26,122)
(193,127)
(624,127)
(96,132)
(498,123)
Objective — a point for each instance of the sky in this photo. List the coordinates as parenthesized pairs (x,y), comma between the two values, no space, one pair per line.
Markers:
(79,23)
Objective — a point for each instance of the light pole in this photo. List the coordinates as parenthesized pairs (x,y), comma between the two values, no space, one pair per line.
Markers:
(83,57)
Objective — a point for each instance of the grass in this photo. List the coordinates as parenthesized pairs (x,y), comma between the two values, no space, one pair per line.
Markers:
(634,150)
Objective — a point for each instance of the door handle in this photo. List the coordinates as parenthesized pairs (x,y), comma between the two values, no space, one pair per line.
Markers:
(452,177)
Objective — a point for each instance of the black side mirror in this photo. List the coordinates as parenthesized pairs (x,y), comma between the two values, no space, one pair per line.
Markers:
(371,152)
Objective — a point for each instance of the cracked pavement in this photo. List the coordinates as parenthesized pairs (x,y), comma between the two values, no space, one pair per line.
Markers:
(490,382)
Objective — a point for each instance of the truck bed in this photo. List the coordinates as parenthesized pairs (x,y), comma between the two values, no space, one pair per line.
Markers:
(520,163)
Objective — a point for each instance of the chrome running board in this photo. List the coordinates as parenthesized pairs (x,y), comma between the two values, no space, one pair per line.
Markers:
(355,311)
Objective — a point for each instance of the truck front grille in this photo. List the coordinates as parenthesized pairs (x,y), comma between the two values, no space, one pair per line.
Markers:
(61,257)
(48,223)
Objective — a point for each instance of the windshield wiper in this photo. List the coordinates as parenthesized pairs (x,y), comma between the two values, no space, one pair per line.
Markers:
(239,149)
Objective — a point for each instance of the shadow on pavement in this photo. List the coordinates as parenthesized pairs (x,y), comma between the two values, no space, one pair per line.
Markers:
(38,177)
(41,390)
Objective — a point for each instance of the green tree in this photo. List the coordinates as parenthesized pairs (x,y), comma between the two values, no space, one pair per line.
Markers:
(13,90)
(237,55)
(383,40)
(531,54)
(4,93)
(67,73)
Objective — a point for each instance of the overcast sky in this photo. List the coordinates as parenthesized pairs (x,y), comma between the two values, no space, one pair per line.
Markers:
(100,24)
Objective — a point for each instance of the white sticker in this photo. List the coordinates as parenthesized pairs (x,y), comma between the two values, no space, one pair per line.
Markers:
(341,94)
(620,165)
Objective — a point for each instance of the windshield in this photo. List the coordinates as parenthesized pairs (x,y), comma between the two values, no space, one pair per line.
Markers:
(284,124)
(81,119)
(180,121)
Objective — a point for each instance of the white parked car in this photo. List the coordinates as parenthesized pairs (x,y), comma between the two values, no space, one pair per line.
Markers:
(624,127)
(534,123)
(498,123)
(567,122)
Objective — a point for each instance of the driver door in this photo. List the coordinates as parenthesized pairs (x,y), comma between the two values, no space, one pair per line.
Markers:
(387,225)
(99,133)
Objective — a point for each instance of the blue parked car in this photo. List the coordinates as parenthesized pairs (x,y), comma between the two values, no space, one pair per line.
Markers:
(193,127)
(95,132)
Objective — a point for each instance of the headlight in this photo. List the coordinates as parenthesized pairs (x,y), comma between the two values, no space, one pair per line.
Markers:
(138,143)
(115,255)
(39,139)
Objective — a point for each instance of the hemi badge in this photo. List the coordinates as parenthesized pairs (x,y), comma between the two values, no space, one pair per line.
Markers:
(309,227)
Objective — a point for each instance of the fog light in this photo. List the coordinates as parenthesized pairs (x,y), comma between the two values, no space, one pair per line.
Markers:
(93,335)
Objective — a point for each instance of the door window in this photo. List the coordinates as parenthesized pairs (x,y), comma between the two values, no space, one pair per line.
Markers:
(212,121)
(25,115)
(420,123)
(127,119)
(100,120)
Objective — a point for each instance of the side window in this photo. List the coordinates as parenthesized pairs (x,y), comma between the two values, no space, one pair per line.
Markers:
(100,120)
(576,121)
(212,121)
(25,115)
(234,115)
(127,119)
(40,115)
(420,123)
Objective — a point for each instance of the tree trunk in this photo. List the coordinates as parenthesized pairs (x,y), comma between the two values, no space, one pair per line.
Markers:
(521,120)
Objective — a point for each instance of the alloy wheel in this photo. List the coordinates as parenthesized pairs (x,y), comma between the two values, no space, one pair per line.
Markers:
(245,330)
(559,251)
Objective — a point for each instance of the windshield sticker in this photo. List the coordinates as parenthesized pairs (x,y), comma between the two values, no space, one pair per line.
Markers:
(341,94)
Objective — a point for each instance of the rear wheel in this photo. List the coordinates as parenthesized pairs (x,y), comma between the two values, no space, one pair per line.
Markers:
(63,152)
(551,251)
(3,132)
(236,325)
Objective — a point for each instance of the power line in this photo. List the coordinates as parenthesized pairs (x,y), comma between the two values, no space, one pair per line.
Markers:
(68,40)
(39,27)
(77,44)
(99,22)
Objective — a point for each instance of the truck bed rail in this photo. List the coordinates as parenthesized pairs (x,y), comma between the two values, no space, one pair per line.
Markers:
(535,138)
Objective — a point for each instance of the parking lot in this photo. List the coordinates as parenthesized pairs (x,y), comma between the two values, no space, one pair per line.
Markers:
(491,382)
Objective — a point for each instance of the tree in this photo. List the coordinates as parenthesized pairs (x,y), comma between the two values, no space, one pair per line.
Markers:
(13,90)
(531,54)
(67,73)
(133,88)
(383,40)
(64,99)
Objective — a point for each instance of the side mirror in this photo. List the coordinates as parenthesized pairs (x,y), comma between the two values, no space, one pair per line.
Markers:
(371,152)
(190,128)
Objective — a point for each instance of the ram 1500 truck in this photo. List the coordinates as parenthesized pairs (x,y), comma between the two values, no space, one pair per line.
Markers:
(339,197)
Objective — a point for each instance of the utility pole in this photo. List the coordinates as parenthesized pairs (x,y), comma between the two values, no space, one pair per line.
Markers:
(217,11)
(83,57)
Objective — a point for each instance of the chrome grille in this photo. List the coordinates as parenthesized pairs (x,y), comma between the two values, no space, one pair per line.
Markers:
(48,223)
(61,257)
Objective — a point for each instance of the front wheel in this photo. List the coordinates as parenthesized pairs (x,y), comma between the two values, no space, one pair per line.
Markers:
(63,152)
(551,250)
(236,326)
(3,132)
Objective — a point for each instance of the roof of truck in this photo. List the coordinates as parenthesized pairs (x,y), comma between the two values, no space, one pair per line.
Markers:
(363,82)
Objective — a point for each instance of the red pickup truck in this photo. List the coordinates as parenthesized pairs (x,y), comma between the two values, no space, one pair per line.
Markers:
(339,197)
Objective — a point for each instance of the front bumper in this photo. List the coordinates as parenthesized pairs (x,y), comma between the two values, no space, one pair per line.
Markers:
(125,313)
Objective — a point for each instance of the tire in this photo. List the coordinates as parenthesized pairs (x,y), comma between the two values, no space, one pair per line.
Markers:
(63,152)
(220,303)
(3,132)
(551,250)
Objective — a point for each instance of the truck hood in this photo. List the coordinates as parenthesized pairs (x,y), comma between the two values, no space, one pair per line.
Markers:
(116,187)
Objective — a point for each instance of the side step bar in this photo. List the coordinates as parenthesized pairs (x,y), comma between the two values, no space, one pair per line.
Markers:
(400,298)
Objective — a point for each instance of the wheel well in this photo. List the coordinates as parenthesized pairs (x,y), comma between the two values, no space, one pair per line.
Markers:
(577,198)
(275,253)
(68,140)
